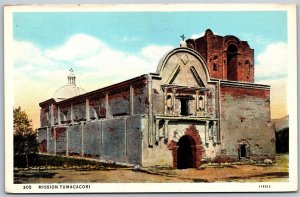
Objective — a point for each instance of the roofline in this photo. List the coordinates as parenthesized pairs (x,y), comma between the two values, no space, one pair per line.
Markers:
(51,100)
(242,84)
(97,91)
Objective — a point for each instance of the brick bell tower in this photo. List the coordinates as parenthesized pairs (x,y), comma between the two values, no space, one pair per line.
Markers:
(227,57)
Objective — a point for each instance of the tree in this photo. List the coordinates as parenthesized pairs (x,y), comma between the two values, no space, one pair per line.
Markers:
(22,124)
(25,142)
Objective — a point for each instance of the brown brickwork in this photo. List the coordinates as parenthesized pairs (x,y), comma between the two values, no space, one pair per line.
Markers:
(196,147)
(227,57)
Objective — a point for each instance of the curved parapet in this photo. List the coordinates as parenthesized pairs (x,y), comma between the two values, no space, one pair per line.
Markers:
(185,66)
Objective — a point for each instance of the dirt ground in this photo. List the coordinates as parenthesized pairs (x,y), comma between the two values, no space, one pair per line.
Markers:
(276,172)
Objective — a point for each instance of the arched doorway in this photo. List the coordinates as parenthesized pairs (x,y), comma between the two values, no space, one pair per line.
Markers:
(232,52)
(186,152)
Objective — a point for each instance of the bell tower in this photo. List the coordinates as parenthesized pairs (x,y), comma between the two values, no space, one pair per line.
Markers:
(227,57)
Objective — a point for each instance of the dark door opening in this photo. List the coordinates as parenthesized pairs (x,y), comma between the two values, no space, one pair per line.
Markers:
(243,151)
(184,107)
(185,153)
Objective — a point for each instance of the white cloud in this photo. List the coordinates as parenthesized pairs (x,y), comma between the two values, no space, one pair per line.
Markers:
(253,38)
(39,72)
(272,63)
(271,69)
(77,47)
(129,39)
(155,52)
(24,51)
(195,36)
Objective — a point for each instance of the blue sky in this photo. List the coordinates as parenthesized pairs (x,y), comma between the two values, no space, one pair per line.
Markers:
(108,47)
(144,28)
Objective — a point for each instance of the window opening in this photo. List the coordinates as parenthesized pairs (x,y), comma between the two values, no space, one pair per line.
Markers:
(184,107)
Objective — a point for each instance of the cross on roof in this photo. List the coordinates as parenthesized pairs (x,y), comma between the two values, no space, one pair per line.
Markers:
(71,70)
(183,37)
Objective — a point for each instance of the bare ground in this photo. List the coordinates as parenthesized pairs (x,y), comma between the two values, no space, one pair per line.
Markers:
(277,172)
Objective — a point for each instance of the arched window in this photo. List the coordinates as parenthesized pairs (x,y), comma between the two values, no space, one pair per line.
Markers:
(232,52)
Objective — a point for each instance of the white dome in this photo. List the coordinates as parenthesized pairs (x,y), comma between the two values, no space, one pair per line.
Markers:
(68,91)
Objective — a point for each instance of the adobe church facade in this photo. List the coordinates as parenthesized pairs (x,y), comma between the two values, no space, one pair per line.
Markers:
(201,105)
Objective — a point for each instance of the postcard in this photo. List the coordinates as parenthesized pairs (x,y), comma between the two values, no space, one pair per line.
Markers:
(150,98)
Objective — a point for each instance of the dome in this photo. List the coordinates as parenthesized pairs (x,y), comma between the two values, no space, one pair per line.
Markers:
(69,90)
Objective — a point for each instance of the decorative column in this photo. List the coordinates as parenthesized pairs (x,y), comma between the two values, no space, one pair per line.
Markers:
(156,131)
(166,131)
(165,102)
(173,100)
(197,103)
(218,133)
(206,132)
(214,132)
(205,104)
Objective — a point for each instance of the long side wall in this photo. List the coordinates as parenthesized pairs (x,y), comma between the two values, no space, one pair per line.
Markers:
(245,119)
(118,140)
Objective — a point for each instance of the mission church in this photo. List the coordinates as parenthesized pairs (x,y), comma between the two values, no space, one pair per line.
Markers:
(201,105)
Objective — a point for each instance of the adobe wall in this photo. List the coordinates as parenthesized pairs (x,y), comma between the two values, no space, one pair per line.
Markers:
(245,119)
(118,140)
